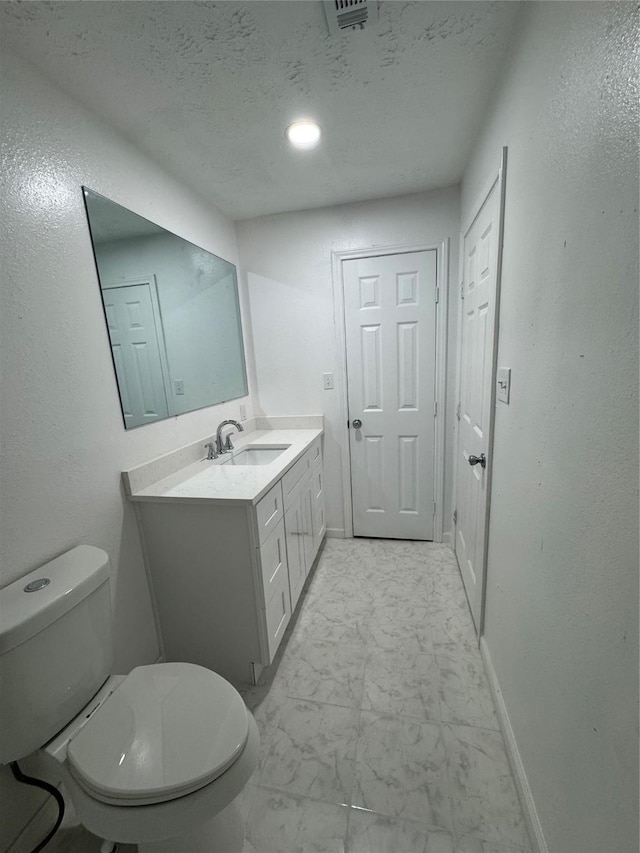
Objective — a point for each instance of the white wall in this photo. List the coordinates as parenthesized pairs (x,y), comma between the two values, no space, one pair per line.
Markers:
(287,261)
(562,593)
(63,443)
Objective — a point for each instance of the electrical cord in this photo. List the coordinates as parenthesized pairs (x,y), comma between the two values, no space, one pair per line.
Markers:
(50,789)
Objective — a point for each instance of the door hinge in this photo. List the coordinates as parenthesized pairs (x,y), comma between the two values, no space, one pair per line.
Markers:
(458,411)
(434,507)
(435,408)
(455,515)
(461,290)
(437,294)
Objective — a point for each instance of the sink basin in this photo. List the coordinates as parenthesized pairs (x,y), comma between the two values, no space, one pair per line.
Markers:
(256,455)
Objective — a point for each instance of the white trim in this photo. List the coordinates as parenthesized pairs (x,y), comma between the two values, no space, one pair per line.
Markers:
(335,533)
(458,381)
(442,313)
(534,826)
(380,251)
(342,434)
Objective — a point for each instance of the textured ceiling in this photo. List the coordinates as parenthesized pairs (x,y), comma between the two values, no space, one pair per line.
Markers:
(207,89)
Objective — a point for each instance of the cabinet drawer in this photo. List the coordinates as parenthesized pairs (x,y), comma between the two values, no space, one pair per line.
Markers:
(273,561)
(278,613)
(269,512)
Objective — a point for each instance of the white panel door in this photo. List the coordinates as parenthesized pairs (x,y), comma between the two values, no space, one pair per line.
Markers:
(136,353)
(390,321)
(481,246)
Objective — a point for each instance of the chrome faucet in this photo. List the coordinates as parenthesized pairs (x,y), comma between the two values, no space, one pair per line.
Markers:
(225,447)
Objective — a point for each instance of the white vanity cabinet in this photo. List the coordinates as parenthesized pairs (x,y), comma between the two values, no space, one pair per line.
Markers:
(226,574)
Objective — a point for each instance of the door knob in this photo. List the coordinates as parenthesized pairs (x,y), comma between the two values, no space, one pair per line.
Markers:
(482,459)
(356,423)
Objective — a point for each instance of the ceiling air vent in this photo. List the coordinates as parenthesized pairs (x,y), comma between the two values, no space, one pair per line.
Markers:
(350,14)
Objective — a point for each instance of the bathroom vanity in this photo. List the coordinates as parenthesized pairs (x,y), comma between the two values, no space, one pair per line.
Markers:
(229,543)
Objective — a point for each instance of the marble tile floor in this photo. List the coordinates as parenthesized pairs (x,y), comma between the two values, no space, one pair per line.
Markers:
(378,732)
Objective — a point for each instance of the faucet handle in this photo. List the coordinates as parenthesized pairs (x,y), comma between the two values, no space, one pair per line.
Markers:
(212,451)
(228,445)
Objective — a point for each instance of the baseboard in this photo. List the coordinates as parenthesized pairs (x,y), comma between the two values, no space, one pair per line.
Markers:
(335,533)
(446,538)
(539,845)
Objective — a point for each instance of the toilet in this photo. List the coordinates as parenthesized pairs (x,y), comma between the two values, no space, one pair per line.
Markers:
(155,758)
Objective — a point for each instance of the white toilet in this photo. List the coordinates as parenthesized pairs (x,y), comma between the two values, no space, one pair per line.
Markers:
(155,758)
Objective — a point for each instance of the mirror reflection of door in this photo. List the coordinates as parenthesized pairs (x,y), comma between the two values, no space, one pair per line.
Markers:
(136,343)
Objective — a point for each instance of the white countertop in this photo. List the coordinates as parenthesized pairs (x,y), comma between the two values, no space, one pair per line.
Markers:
(205,481)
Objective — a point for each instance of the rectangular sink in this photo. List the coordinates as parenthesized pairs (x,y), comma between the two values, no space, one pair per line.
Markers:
(256,455)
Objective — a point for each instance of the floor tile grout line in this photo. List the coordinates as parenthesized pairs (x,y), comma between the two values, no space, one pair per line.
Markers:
(278,790)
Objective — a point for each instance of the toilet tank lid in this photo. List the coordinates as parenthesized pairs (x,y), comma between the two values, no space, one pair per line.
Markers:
(71,577)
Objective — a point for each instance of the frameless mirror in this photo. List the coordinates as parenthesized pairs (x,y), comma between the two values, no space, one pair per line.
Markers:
(172,313)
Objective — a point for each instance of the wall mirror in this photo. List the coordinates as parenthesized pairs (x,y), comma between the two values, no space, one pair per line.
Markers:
(172,313)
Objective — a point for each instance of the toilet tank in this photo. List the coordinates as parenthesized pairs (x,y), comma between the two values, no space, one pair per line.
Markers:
(55,647)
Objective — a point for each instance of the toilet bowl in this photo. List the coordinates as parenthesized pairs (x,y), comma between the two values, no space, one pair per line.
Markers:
(155,758)
(154,753)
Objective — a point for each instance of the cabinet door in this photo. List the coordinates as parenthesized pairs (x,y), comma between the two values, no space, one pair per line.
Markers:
(318,520)
(273,561)
(277,614)
(294,534)
(307,522)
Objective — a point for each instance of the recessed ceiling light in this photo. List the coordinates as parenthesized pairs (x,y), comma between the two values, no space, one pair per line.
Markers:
(303,134)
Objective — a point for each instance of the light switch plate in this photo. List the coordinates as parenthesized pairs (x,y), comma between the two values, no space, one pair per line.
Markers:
(504,384)
(179,386)
(327,381)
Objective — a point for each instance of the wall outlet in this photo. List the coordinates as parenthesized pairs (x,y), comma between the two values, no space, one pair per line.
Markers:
(327,381)
(179,386)
(243,412)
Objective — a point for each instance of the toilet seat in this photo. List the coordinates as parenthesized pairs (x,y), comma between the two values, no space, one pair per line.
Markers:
(166,731)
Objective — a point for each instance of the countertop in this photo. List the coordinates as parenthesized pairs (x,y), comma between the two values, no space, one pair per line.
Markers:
(206,481)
